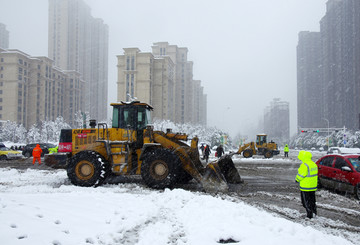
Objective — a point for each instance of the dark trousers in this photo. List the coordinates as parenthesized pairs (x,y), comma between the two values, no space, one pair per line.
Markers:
(308,201)
(286,154)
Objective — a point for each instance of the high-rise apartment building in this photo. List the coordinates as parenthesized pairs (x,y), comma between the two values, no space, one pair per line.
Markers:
(163,78)
(4,37)
(309,83)
(340,38)
(79,42)
(183,77)
(337,100)
(32,89)
(277,121)
(149,79)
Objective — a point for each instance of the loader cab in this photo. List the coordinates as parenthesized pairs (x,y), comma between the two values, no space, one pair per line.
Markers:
(131,115)
(261,139)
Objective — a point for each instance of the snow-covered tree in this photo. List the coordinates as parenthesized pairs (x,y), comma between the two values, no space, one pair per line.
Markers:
(33,135)
(209,135)
(10,131)
(79,119)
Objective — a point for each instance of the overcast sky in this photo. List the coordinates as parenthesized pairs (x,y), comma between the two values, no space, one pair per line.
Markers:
(244,51)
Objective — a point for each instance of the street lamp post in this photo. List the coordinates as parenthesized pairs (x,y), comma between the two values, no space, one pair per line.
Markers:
(328,131)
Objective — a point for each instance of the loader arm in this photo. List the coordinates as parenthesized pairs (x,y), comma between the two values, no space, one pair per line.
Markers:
(190,165)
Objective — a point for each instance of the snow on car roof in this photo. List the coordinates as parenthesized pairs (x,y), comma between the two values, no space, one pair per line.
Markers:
(344,150)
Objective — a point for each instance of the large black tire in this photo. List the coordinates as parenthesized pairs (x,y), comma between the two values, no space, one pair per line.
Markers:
(87,168)
(247,153)
(268,154)
(27,154)
(160,169)
(183,176)
(3,157)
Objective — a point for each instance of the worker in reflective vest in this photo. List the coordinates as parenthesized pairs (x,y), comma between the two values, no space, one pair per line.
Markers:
(286,151)
(308,178)
(37,154)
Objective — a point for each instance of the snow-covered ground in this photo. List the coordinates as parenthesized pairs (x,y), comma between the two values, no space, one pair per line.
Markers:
(42,207)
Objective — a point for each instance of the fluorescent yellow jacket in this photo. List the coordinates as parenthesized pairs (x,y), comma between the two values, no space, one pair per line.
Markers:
(307,173)
(286,148)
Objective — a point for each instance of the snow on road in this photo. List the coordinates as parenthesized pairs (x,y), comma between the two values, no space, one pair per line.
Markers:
(42,207)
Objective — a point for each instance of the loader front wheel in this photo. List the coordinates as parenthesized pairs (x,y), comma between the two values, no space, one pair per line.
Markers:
(268,154)
(87,168)
(160,169)
(247,153)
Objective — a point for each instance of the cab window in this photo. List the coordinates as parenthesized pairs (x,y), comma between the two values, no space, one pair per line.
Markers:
(143,118)
(261,139)
(115,120)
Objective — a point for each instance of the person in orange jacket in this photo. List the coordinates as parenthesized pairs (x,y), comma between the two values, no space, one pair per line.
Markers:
(37,154)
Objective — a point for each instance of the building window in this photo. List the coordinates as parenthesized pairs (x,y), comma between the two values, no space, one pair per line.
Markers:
(0,108)
(20,61)
(127,84)
(1,92)
(2,59)
(127,63)
(132,63)
(132,85)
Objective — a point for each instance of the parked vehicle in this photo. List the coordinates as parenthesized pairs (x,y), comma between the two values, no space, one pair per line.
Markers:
(6,153)
(340,172)
(27,151)
(343,150)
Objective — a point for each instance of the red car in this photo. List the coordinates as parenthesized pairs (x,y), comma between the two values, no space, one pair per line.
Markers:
(340,172)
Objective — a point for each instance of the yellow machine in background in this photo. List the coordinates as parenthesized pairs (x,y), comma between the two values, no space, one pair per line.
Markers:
(261,147)
(132,147)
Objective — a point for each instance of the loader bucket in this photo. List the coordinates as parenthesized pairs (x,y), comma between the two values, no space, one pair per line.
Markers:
(229,171)
(219,174)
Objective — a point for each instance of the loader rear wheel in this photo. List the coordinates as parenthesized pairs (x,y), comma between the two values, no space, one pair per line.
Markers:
(87,168)
(160,169)
(247,153)
(268,154)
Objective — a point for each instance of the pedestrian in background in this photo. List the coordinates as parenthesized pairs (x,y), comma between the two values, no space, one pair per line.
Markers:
(202,148)
(37,154)
(308,178)
(220,151)
(207,152)
(286,151)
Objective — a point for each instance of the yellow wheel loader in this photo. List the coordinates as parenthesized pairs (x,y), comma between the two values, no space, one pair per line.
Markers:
(260,148)
(131,147)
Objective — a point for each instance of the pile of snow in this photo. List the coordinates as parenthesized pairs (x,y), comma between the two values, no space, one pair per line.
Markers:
(42,207)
